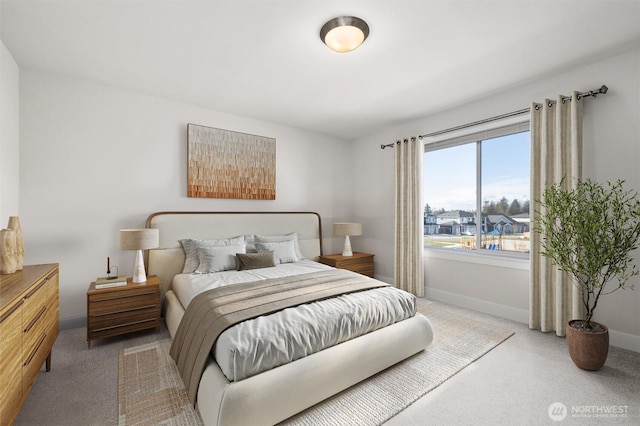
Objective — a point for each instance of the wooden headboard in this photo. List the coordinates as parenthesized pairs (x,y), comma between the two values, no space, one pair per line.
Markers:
(168,259)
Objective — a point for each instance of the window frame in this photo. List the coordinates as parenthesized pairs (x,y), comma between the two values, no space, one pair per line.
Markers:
(475,135)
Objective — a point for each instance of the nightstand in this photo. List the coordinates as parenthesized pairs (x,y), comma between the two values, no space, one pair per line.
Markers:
(118,310)
(361,263)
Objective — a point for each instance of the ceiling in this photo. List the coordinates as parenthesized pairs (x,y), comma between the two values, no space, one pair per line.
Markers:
(264,58)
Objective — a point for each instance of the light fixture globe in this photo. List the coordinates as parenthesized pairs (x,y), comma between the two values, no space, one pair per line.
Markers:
(344,33)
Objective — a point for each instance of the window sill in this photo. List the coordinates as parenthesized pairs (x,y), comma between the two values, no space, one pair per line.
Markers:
(502,260)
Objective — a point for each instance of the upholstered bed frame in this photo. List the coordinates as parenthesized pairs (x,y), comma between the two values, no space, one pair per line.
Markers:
(272,396)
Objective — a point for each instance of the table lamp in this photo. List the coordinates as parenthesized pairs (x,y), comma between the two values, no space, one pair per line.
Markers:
(139,239)
(347,229)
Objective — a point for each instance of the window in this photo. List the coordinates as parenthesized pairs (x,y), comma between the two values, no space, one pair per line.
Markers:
(476,190)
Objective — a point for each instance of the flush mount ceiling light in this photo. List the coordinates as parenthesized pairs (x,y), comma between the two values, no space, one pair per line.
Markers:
(344,33)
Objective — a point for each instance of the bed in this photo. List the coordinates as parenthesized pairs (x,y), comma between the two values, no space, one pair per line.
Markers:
(276,394)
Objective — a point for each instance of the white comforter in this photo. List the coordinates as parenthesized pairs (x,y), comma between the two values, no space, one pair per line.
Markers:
(269,341)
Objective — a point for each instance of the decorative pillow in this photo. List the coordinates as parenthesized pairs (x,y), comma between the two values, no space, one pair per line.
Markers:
(265,259)
(250,241)
(293,236)
(190,247)
(216,259)
(284,251)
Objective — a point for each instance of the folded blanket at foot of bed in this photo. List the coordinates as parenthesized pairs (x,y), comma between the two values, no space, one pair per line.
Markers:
(213,311)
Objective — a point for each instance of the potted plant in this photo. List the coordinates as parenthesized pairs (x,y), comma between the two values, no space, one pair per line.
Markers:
(589,232)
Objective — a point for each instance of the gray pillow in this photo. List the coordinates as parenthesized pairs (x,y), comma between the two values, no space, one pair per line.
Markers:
(216,259)
(284,251)
(190,247)
(247,261)
(292,236)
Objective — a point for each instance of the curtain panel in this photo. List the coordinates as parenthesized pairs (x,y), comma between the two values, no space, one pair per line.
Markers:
(556,153)
(409,222)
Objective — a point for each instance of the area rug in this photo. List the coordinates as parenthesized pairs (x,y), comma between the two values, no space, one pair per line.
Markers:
(150,390)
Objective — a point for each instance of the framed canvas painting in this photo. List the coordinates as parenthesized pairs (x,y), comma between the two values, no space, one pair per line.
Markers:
(227,164)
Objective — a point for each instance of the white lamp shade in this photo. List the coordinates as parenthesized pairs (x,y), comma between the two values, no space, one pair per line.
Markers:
(139,239)
(347,228)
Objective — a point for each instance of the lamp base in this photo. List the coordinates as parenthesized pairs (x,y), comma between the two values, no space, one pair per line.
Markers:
(346,250)
(139,275)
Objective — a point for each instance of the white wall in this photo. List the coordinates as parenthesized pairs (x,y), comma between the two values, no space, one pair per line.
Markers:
(9,135)
(611,151)
(95,159)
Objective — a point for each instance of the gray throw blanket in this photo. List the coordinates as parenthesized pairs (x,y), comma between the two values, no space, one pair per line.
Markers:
(213,311)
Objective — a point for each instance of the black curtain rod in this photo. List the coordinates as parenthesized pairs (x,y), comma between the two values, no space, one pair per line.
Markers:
(591,93)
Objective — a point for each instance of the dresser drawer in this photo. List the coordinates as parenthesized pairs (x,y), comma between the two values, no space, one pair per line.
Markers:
(34,359)
(37,301)
(39,315)
(10,361)
(28,329)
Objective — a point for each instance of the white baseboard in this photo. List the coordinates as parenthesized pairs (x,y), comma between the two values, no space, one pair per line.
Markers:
(492,308)
(616,338)
(384,279)
(624,340)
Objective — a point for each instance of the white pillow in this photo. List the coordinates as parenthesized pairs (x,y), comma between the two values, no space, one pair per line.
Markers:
(292,236)
(283,251)
(216,259)
(190,247)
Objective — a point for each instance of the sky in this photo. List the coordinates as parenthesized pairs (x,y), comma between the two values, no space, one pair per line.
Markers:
(450,174)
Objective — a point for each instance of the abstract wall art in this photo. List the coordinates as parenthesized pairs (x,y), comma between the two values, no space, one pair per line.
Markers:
(227,164)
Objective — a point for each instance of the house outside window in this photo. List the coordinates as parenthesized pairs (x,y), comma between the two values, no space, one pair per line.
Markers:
(476,190)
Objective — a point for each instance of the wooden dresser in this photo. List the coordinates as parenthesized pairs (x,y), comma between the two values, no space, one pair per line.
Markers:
(361,263)
(29,318)
(118,310)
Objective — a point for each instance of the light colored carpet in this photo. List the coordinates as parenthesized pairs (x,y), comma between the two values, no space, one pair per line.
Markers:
(150,390)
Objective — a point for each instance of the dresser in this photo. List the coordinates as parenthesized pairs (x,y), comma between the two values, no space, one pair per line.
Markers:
(361,263)
(29,318)
(113,311)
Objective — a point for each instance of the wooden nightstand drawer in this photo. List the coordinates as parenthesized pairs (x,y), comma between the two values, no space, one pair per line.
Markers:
(116,304)
(361,263)
(118,310)
(107,321)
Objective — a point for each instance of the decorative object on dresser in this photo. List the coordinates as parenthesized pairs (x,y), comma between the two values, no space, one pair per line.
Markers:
(361,263)
(346,229)
(14,225)
(117,310)
(226,164)
(139,239)
(8,261)
(29,312)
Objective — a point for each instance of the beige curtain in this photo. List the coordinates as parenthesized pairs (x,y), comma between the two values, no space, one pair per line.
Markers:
(556,152)
(409,235)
